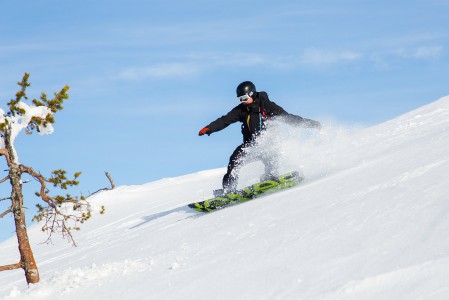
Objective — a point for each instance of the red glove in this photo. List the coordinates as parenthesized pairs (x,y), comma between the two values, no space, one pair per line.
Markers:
(203,131)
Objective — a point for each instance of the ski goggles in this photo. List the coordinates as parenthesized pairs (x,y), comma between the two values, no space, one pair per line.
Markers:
(245,97)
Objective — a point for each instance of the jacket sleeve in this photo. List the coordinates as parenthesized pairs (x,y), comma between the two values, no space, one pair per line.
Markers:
(226,120)
(277,112)
(300,121)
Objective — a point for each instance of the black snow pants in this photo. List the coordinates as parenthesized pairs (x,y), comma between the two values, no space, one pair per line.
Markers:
(243,154)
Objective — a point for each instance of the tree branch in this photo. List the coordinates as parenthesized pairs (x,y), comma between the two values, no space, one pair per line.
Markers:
(105,189)
(9,210)
(5,153)
(110,180)
(11,267)
(61,210)
(42,181)
(4,179)
(6,198)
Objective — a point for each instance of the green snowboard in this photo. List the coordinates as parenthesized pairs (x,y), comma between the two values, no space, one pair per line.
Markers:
(256,190)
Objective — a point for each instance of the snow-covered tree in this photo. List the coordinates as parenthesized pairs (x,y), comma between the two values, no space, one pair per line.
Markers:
(60,213)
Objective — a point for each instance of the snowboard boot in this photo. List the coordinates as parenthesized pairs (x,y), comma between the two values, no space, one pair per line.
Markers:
(218,192)
(269,177)
(222,192)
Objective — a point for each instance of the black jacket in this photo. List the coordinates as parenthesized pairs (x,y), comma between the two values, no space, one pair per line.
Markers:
(254,115)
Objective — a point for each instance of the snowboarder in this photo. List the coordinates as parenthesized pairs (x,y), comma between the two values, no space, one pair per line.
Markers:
(254,110)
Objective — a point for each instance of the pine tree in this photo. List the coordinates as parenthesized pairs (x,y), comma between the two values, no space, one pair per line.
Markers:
(60,213)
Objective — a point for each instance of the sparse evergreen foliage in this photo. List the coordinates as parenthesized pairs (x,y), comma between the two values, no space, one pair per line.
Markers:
(55,104)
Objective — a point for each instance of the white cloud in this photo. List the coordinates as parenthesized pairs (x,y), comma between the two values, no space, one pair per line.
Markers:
(196,63)
(423,52)
(324,57)
(231,59)
(160,71)
(427,52)
(193,65)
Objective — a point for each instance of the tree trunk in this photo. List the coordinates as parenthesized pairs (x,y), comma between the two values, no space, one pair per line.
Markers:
(27,261)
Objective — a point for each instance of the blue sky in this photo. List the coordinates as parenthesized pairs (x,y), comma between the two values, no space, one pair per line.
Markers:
(146,76)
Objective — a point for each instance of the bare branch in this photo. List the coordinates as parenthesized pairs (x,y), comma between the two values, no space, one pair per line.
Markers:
(4,179)
(42,181)
(11,267)
(110,180)
(5,153)
(54,220)
(105,189)
(9,210)
(6,198)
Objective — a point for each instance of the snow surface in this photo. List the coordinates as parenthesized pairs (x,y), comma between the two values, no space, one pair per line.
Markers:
(370,221)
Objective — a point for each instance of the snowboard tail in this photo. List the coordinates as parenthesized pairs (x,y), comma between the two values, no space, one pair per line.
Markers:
(256,190)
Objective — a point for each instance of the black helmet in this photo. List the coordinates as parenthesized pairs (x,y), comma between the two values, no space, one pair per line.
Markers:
(246,87)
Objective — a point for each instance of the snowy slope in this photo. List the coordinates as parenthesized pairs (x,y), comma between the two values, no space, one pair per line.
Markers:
(370,222)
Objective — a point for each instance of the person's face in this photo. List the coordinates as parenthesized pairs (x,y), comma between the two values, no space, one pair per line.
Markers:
(249,101)
(245,99)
